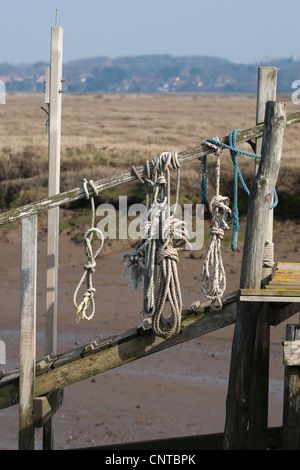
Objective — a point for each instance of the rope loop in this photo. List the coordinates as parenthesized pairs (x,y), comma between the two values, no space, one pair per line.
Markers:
(234,151)
(213,277)
(89,267)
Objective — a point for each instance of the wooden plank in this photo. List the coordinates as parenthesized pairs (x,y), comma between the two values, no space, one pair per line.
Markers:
(202,442)
(286,266)
(279,312)
(28,332)
(53,187)
(194,323)
(283,285)
(270,292)
(54,142)
(238,403)
(126,176)
(291,353)
(259,298)
(291,408)
(46,406)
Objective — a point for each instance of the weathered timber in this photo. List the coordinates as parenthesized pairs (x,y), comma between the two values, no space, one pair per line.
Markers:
(270,295)
(286,266)
(54,140)
(28,332)
(203,442)
(280,312)
(46,406)
(291,408)
(126,176)
(258,421)
(79,364)
(239,394)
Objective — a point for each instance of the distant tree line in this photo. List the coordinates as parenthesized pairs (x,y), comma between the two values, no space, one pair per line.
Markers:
(152,73)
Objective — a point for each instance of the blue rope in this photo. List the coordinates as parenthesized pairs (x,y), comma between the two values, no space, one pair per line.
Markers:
(204,199)
(237,176)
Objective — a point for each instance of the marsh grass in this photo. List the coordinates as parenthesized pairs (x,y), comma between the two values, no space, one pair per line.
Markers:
(103,134)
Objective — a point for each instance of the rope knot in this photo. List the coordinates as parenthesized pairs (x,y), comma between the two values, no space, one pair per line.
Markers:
(213,284)
(167,250)
(90,266)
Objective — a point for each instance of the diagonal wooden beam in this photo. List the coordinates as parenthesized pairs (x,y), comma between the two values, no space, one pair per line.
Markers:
(100,356)
(127,176)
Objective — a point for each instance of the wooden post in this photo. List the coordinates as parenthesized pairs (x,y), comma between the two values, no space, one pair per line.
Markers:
(291,404)
(238,398)
(267,86)
(55,98)
(258,425)
(28,332)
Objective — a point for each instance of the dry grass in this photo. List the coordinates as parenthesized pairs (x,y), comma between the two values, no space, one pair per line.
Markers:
(103,134)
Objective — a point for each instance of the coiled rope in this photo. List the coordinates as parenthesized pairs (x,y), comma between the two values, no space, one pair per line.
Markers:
(89,267)
(163,237)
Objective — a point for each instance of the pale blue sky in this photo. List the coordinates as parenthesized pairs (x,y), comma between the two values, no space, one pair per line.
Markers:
(241,31)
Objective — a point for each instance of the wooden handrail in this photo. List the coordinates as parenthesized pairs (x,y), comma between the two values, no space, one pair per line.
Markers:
(115,180)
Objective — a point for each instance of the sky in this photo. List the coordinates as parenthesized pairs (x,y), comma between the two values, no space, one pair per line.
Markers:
(238,30)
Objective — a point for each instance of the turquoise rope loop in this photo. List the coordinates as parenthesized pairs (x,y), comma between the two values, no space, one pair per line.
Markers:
(234,151)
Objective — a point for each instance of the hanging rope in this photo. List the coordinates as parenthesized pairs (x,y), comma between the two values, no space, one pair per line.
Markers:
(213,277)
(163,237)
(234,151)
(168,286)
(89,267)
(201,181)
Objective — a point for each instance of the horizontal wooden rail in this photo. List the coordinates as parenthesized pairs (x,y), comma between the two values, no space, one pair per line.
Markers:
(127,176)
(101,355)
(202,442)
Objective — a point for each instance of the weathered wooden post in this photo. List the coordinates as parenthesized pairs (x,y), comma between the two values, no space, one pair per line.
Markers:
(291,405)
(258,423)
(239,389)
(55,103)
(28,332)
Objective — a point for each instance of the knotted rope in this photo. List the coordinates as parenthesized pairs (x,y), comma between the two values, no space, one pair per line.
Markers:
(168,286)
(163,237)
(234,151)
(89,267)
(213,284)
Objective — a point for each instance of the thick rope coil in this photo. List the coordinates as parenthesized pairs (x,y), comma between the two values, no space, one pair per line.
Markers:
(175,239)
(213,277)
(268,256)
(89,267)
(163,236)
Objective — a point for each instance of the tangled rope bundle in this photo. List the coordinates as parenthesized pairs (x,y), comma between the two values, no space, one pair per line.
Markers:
(234,151)
(89,267)
(163,237)
(213,277)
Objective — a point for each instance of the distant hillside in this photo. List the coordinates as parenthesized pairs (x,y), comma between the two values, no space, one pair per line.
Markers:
(151,73)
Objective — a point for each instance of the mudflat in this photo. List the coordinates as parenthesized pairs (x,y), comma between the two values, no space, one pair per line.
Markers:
(177,392)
